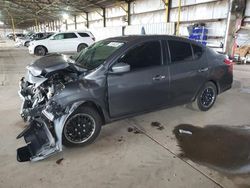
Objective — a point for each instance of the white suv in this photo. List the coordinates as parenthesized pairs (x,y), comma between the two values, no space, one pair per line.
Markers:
(62,42)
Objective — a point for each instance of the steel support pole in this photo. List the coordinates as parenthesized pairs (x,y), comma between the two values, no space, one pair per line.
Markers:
(178,20)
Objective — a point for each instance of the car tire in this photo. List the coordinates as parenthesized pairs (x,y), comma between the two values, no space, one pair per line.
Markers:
(26,44)
(82,127)
(81,47)
(206,97)
(40,51)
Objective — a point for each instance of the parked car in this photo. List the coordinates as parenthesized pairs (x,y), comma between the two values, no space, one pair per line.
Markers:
(15,36)
(67,100)
(10,36)
(36,36)
(62,42)
(19,36)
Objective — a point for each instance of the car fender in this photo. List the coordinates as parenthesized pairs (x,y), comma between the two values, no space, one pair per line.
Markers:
(60,122)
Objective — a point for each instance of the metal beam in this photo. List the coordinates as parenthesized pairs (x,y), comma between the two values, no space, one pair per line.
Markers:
(75,22)
(45,7)
(104,17)
(66,24)
(129,12)
(87,19)
(36,24)
(179,16)
(167,7)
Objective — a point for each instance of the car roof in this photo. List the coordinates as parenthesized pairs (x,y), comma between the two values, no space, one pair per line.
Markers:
(74,32)
(130,38)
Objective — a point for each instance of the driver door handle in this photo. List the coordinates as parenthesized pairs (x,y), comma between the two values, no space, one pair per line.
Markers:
(159,77)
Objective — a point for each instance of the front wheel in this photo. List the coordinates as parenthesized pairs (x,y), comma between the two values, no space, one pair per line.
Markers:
(82,127)
(206,96)
(40,51)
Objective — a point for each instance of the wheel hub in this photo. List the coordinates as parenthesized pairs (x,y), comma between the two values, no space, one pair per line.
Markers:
(207,97)
(79,128)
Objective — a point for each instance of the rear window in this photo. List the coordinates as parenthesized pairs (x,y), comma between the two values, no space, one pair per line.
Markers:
(197,51)
(84,34)
(180,51)
(69,35)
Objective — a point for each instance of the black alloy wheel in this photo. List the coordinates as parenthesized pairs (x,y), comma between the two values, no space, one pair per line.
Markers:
(40,51)
(82,127)
(207,96)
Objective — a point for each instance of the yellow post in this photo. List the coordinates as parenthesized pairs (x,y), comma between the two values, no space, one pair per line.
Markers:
(166,5)
(36,25)
(178,21)
(13,24)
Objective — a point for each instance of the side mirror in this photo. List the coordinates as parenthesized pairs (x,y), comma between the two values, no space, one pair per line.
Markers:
(121,68)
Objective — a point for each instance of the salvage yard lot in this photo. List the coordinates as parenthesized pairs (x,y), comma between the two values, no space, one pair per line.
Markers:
(128,153)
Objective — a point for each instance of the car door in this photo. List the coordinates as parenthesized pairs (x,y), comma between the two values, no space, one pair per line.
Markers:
(71,42)
(145,86)
(56,43)
(188,70)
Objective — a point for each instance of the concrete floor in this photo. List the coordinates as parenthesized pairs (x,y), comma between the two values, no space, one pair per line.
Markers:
(118,158)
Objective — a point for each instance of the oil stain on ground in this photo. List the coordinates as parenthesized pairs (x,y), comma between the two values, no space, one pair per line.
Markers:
(157,125)
(134,130)
(221,147)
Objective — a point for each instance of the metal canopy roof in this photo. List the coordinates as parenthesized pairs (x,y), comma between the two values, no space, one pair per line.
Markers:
(24,12)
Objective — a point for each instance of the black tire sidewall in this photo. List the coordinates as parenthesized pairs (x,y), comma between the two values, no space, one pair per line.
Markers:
(199,104)
(81,47)
(40,47)
(98,123)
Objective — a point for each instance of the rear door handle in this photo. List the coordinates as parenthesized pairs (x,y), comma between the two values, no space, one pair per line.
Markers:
(203,69)
(159,77)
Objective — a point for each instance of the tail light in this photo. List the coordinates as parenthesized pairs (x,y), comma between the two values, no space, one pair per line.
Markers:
(230,65)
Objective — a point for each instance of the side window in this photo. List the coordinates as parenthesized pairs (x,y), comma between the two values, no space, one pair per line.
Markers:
(59,36)
(180,51)
(83,34)
(145,55)
(69,35)
(197,51)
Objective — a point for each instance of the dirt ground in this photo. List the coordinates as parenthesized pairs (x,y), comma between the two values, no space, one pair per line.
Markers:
(121,156)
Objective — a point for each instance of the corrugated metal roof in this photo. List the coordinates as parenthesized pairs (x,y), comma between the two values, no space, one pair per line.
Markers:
(25,12)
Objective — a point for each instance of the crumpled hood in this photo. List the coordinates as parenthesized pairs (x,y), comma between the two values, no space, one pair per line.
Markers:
(48,64)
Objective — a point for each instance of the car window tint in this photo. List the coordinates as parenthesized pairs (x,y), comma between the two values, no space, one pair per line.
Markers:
(197,51)
(145,55)
(59,36)
(180,51)
(83,34)
(69,35)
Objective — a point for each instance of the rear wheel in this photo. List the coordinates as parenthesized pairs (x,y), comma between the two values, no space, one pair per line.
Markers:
(81,47)
(82,127)
(206,96)
(40,51)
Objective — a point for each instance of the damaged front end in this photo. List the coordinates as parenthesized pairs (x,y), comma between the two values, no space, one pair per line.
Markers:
(44,135)
(33,100)
(46,118)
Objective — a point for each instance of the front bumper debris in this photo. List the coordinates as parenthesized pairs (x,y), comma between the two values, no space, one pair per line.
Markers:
(44,136)
(40,142)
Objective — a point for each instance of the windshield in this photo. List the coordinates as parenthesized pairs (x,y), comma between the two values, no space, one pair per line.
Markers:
(96,54)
